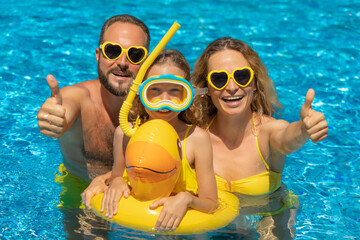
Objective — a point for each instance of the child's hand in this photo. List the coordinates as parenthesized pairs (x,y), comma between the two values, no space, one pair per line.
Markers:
(97,186)
(174,209)
(112,196)
(314,123)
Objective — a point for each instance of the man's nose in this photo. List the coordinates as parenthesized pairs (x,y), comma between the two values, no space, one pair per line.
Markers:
(123,61)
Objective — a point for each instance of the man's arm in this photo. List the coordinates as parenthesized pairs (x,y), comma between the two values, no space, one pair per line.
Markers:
(59,111)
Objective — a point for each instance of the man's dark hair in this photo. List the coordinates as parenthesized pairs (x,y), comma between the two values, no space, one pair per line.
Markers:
(125,18)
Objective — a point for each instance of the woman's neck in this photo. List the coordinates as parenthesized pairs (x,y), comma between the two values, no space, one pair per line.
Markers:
(232,129)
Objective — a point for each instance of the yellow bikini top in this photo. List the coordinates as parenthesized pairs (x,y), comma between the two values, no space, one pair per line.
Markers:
(187,180)
(259,184)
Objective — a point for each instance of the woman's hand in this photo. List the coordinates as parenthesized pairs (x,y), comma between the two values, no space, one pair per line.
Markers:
(174,209)
(112,195)
(314,123)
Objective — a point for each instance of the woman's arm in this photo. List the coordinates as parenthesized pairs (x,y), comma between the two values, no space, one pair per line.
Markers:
(288,138)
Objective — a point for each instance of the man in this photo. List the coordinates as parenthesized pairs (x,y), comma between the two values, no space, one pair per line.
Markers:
(83,116)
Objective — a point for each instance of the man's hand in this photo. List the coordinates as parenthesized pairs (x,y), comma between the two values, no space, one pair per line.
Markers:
(51,115)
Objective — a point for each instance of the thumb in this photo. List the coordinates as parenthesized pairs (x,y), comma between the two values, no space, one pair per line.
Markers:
(157,203)
(308,101)
(126,193)
(54,87)
(89,196)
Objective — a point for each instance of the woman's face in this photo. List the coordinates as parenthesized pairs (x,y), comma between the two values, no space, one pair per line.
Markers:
(166,91)
(233,99)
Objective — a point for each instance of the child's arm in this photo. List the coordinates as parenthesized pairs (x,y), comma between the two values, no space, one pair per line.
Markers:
(118,187)
(175,206)
(288,138)
(207,199)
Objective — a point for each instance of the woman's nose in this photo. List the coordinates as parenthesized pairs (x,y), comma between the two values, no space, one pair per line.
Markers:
(232,85)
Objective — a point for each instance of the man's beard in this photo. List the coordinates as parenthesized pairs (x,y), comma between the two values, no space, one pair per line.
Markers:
(120,92)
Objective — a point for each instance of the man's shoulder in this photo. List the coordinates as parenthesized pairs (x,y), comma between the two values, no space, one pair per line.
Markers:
(82,89)
(89,83)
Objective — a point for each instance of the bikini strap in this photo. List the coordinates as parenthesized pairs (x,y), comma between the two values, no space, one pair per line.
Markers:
(257,143)
(184,143)
(212,120)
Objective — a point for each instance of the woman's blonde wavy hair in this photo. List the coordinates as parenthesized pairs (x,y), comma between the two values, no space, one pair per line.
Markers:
(166,56)
(265,98)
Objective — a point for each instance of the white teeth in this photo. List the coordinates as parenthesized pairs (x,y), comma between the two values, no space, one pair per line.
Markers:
(120,75)
(164,110)
(232,98)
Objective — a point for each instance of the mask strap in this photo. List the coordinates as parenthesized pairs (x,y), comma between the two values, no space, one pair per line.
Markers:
(201,91)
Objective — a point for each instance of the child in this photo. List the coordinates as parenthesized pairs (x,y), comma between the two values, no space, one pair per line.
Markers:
(199,191)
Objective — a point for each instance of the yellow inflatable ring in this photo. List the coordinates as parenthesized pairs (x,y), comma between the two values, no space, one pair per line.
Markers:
(137,215)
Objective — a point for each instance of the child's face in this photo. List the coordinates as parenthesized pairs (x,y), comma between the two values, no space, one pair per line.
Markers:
(164,91)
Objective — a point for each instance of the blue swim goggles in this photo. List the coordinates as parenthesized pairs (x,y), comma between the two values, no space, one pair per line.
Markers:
(168,92)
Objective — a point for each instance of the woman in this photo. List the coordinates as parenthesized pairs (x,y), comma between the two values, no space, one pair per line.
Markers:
(249,145)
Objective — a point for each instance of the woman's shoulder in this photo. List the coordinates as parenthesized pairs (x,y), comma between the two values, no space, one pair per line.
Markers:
(268,123)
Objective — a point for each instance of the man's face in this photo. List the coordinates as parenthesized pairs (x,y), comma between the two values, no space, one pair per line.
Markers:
(117,76)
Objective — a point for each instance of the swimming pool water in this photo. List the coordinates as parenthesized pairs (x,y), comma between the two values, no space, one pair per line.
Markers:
(303,43)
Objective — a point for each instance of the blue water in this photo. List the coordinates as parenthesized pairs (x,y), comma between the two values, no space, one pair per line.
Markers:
(303,43)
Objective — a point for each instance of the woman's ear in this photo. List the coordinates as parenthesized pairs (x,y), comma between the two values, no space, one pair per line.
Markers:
(255,88)
(207,86)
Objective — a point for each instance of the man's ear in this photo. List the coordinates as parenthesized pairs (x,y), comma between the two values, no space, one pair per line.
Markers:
(97,54)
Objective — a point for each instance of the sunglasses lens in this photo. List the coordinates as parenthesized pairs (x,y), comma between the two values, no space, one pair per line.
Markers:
(242,76)
(219,79)
(112,51)
(136,55)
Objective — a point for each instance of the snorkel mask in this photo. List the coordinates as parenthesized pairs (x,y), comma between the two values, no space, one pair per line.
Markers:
(167,92)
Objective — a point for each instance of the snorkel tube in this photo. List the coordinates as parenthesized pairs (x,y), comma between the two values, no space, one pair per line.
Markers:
(125,109)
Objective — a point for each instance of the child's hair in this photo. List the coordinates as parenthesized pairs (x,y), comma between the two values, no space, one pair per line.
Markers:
(167,56)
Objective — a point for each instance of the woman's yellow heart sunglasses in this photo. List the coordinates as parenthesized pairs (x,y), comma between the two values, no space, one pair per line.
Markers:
(220,79)
(112,51)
